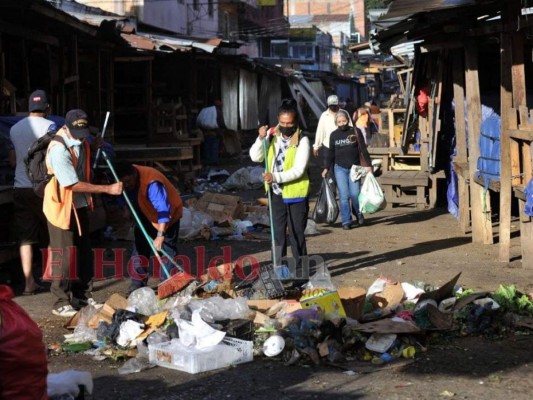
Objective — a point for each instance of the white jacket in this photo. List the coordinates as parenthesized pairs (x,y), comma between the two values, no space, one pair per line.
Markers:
(301,160)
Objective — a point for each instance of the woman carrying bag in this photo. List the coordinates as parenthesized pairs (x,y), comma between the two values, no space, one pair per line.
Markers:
(347,148)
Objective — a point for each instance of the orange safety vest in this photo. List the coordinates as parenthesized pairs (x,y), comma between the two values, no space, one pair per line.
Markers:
(57,202)
(147,176)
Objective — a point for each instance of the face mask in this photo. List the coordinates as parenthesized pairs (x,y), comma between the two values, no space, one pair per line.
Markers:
(334,108)
(287,130)
(344,127)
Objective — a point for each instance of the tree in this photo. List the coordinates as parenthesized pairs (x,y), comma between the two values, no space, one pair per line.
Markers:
(369,4)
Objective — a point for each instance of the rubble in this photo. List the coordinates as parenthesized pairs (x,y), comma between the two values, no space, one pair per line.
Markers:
(320,324)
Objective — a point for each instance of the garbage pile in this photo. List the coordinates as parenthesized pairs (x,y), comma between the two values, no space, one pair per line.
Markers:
(217,216)
(214,323)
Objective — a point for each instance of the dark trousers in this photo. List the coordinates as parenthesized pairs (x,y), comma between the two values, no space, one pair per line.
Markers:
(72,261)
(142,248)
(293,216)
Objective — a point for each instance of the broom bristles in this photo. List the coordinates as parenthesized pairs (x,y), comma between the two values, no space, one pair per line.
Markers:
(173,285)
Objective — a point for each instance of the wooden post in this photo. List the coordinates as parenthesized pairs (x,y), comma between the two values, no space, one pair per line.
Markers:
(506,94)
(460,139)
(480,198)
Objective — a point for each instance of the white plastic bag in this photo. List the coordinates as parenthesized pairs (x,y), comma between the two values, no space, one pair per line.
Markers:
(207,118)
(357,172)
(371,197)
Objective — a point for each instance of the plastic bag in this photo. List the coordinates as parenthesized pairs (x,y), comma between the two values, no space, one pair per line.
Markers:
(23,365)
(207,118)
(371,197)
(143,301)
(321,279)
(245,178)
(326,208)
(357,172)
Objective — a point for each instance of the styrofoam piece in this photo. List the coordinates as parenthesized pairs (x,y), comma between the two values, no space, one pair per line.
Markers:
(379,342)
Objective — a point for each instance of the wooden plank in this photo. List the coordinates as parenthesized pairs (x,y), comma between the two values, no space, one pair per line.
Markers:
(436,121)
(519,133)
(526,237)
(506,98)
(405,178)
(462,169)
(480,199)
(464,203)
(519,88)
(494,186)
(459,97)
(420,198)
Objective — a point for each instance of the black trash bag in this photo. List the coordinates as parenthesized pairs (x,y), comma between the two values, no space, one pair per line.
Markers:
(333,207)
(320,211)
(109,332)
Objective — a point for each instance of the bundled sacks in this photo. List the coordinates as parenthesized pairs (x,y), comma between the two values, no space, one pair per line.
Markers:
(23,362)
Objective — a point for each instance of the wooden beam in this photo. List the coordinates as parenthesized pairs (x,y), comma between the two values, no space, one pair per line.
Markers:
(506,98)
(526,237)
(480,198)
(519,133)
(519,91)
(461,156)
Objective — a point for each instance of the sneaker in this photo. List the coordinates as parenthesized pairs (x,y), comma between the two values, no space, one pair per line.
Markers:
(65,311)
(347,227)
(361,220)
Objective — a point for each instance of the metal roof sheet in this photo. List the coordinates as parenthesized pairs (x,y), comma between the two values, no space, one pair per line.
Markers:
(399,8)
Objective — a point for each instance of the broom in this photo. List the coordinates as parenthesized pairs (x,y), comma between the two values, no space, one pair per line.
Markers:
(172,284)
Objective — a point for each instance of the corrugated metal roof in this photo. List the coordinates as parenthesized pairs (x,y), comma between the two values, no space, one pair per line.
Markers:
(149,40)
(401,8)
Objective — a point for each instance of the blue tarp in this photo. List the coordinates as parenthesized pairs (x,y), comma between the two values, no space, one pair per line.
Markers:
(488,163)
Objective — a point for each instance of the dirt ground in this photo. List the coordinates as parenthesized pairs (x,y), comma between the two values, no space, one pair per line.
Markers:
(400,243)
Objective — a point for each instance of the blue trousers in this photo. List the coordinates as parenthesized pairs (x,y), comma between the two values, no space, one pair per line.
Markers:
(348,193)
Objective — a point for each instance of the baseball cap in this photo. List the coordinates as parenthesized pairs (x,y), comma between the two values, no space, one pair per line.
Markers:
(333,100)
(78,123)
(38,101)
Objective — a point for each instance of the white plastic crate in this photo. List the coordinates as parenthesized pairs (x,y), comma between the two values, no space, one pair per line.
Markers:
(176,356)
(244,347)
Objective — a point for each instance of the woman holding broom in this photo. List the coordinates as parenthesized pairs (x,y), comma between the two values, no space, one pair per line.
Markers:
(287,152)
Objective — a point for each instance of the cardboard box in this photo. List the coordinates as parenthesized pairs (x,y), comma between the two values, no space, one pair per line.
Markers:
(220,206)
(328,302)
(353,301)
(271,307)
(113,303)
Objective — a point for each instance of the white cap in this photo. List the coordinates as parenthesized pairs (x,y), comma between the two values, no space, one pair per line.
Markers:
(333,100)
